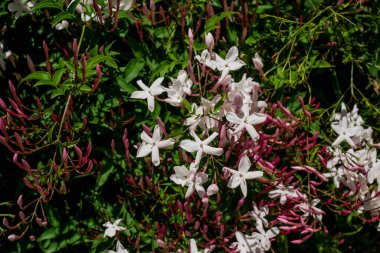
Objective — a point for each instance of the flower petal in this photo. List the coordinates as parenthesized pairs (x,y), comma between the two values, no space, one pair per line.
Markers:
(189,146)
(142,85)
(150,103)
(233,118)
(155,156)
(252,132)
(234,181)
(165,143)
(244,164)
(140,94)
(212,151)
(253,174)
(144,150)
(243,187)
(157,134)
(232,54)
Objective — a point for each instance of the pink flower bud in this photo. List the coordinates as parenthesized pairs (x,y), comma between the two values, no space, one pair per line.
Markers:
(212,189)
(209,40)
(258,62)
(12,237)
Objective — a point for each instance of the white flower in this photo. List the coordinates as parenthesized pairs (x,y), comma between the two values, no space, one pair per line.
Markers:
(242,245)
(152,144)
(3,56)
(374,167)
(247,121)
(259,215)
(20,6)
(265,236)
(311,209)
(284,193)
(119,248)
(149,93)
(179,89)
(239,177)
(205,58)
(182,175)
(200,146)
(345,132)
(112,228)
(62,25)
(194,248)
(229,64)
(196,181)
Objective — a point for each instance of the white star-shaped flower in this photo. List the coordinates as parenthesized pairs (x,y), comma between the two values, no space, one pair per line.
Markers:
(152,144)
(247,121)
(20,6)
(345,132)
(112,228)
(240,176)
(149,93)
(259,215)
(200,146)
(229,64)
(265,236)
(119,248)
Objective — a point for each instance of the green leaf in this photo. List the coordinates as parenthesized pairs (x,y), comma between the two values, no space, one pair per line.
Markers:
(312,5)
(57,93)
(58,75)
(124,85)
(85,88)
(72,6)
(161,70)
(91,63)
(38,75)
(62,16)
(44,82)
(186,104)
(211,23)
(103,178)
(48,4)
(263,8)
(133,69)
(322,64)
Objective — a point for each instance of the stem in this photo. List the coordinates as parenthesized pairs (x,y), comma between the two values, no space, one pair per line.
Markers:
(81,37)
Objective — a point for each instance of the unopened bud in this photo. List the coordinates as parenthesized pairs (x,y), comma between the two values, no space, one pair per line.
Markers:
(209,39)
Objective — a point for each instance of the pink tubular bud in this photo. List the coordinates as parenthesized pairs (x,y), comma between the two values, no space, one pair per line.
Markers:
(20,202)
(32,238)
(209,40)
(3,105)
(30,64)
(161,124)
(79,153)
(147,130)
(46,51)
(97,78)
(12,237)
(21,215)
(152,10)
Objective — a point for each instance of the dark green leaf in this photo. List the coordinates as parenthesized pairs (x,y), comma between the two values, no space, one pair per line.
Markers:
(38,75)
(211,23)
(62,16)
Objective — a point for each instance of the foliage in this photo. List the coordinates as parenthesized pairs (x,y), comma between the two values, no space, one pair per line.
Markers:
(70,125)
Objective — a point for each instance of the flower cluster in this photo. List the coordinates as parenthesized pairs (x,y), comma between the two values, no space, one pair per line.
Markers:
(354,163)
